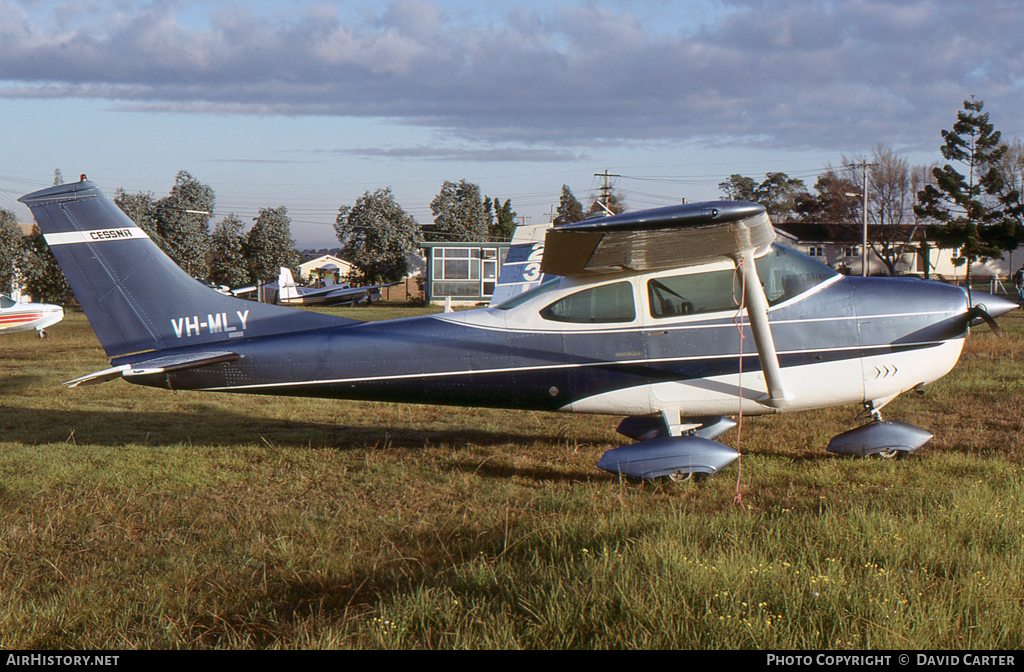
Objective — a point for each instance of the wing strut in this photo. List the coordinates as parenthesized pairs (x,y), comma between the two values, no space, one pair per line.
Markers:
(757,314)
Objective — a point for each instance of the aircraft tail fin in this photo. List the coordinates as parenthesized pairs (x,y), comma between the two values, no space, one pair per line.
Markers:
(287,290)
(136,298)
(520,271)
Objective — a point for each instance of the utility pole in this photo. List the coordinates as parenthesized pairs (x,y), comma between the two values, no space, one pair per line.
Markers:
(606,190)
(864,233)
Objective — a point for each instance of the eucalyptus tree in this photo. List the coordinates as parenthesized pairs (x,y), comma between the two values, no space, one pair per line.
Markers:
(269,245)
(42,276)
(376,234)
(10,249)
(183,221)
(964,206)
(459,214)
(778,193)
(228,264)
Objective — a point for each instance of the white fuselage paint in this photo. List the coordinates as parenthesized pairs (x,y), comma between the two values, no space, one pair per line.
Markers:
(852,381)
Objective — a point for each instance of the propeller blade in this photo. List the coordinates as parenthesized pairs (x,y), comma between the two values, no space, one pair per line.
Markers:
(978,312)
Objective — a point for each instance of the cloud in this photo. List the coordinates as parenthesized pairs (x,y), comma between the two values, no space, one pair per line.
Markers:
(788,73)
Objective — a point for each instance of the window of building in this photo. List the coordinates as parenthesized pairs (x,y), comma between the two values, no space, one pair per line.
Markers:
(464,271)
(815,251)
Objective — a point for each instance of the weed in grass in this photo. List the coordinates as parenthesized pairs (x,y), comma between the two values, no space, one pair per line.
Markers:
(132,517)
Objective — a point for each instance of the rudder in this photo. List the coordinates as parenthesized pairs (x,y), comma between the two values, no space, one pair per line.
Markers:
(136,298)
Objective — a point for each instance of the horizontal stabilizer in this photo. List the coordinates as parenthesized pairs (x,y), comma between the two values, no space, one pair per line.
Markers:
(170,363)
(163,364)
(652,240)
(103,376)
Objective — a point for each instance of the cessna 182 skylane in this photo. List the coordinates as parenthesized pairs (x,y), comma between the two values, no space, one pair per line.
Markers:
(643,319)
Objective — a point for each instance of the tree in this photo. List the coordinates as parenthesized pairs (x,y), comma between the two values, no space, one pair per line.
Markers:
(610,200)
(268,246)
(832,205)
(964,207)
(43,278)
(10,250)
(183,221)
(892,188)
(376,235)
(569,209)
(504,220)
(459,214)
(1011,192)
(228,264)
(177,223)
(739,188)
(778,193)
(141,209)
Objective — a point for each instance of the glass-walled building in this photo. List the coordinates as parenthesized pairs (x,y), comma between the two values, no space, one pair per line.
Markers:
(463,271)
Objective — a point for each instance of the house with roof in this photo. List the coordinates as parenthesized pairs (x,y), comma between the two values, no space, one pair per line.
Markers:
(840,247)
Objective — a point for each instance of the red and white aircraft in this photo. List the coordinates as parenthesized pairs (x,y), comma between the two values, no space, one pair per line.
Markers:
(18,316)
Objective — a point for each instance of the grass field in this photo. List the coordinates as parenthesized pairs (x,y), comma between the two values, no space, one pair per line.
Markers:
(140,518)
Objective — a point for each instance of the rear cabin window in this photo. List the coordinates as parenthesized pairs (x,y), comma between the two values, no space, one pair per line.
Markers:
(598,305)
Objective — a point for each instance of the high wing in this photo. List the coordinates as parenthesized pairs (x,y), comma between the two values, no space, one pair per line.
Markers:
(651,240)
(672,237)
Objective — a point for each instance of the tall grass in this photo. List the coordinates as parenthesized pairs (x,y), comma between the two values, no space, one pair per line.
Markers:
(132,517)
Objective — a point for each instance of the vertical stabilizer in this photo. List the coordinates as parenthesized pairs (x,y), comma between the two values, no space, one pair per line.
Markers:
(287,290)
(136,298)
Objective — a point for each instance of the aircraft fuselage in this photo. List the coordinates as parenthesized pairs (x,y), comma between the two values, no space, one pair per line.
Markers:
(869,338)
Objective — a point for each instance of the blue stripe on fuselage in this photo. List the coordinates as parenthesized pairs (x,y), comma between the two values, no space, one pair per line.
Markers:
(432,360)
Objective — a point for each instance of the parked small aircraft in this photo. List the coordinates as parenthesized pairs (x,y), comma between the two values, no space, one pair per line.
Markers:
(18,316)
(646,314)
(290,292)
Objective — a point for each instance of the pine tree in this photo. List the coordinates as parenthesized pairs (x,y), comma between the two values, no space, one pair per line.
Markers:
(504,220)
(569,208)
(964,206)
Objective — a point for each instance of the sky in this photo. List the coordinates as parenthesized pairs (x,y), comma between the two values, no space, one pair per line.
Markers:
(310,104)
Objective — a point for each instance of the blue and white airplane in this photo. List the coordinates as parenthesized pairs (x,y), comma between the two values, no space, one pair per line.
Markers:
(676,318)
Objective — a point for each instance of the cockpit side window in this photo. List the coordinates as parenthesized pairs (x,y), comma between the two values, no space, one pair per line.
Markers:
(6,301)
(693,293)
(597,305)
